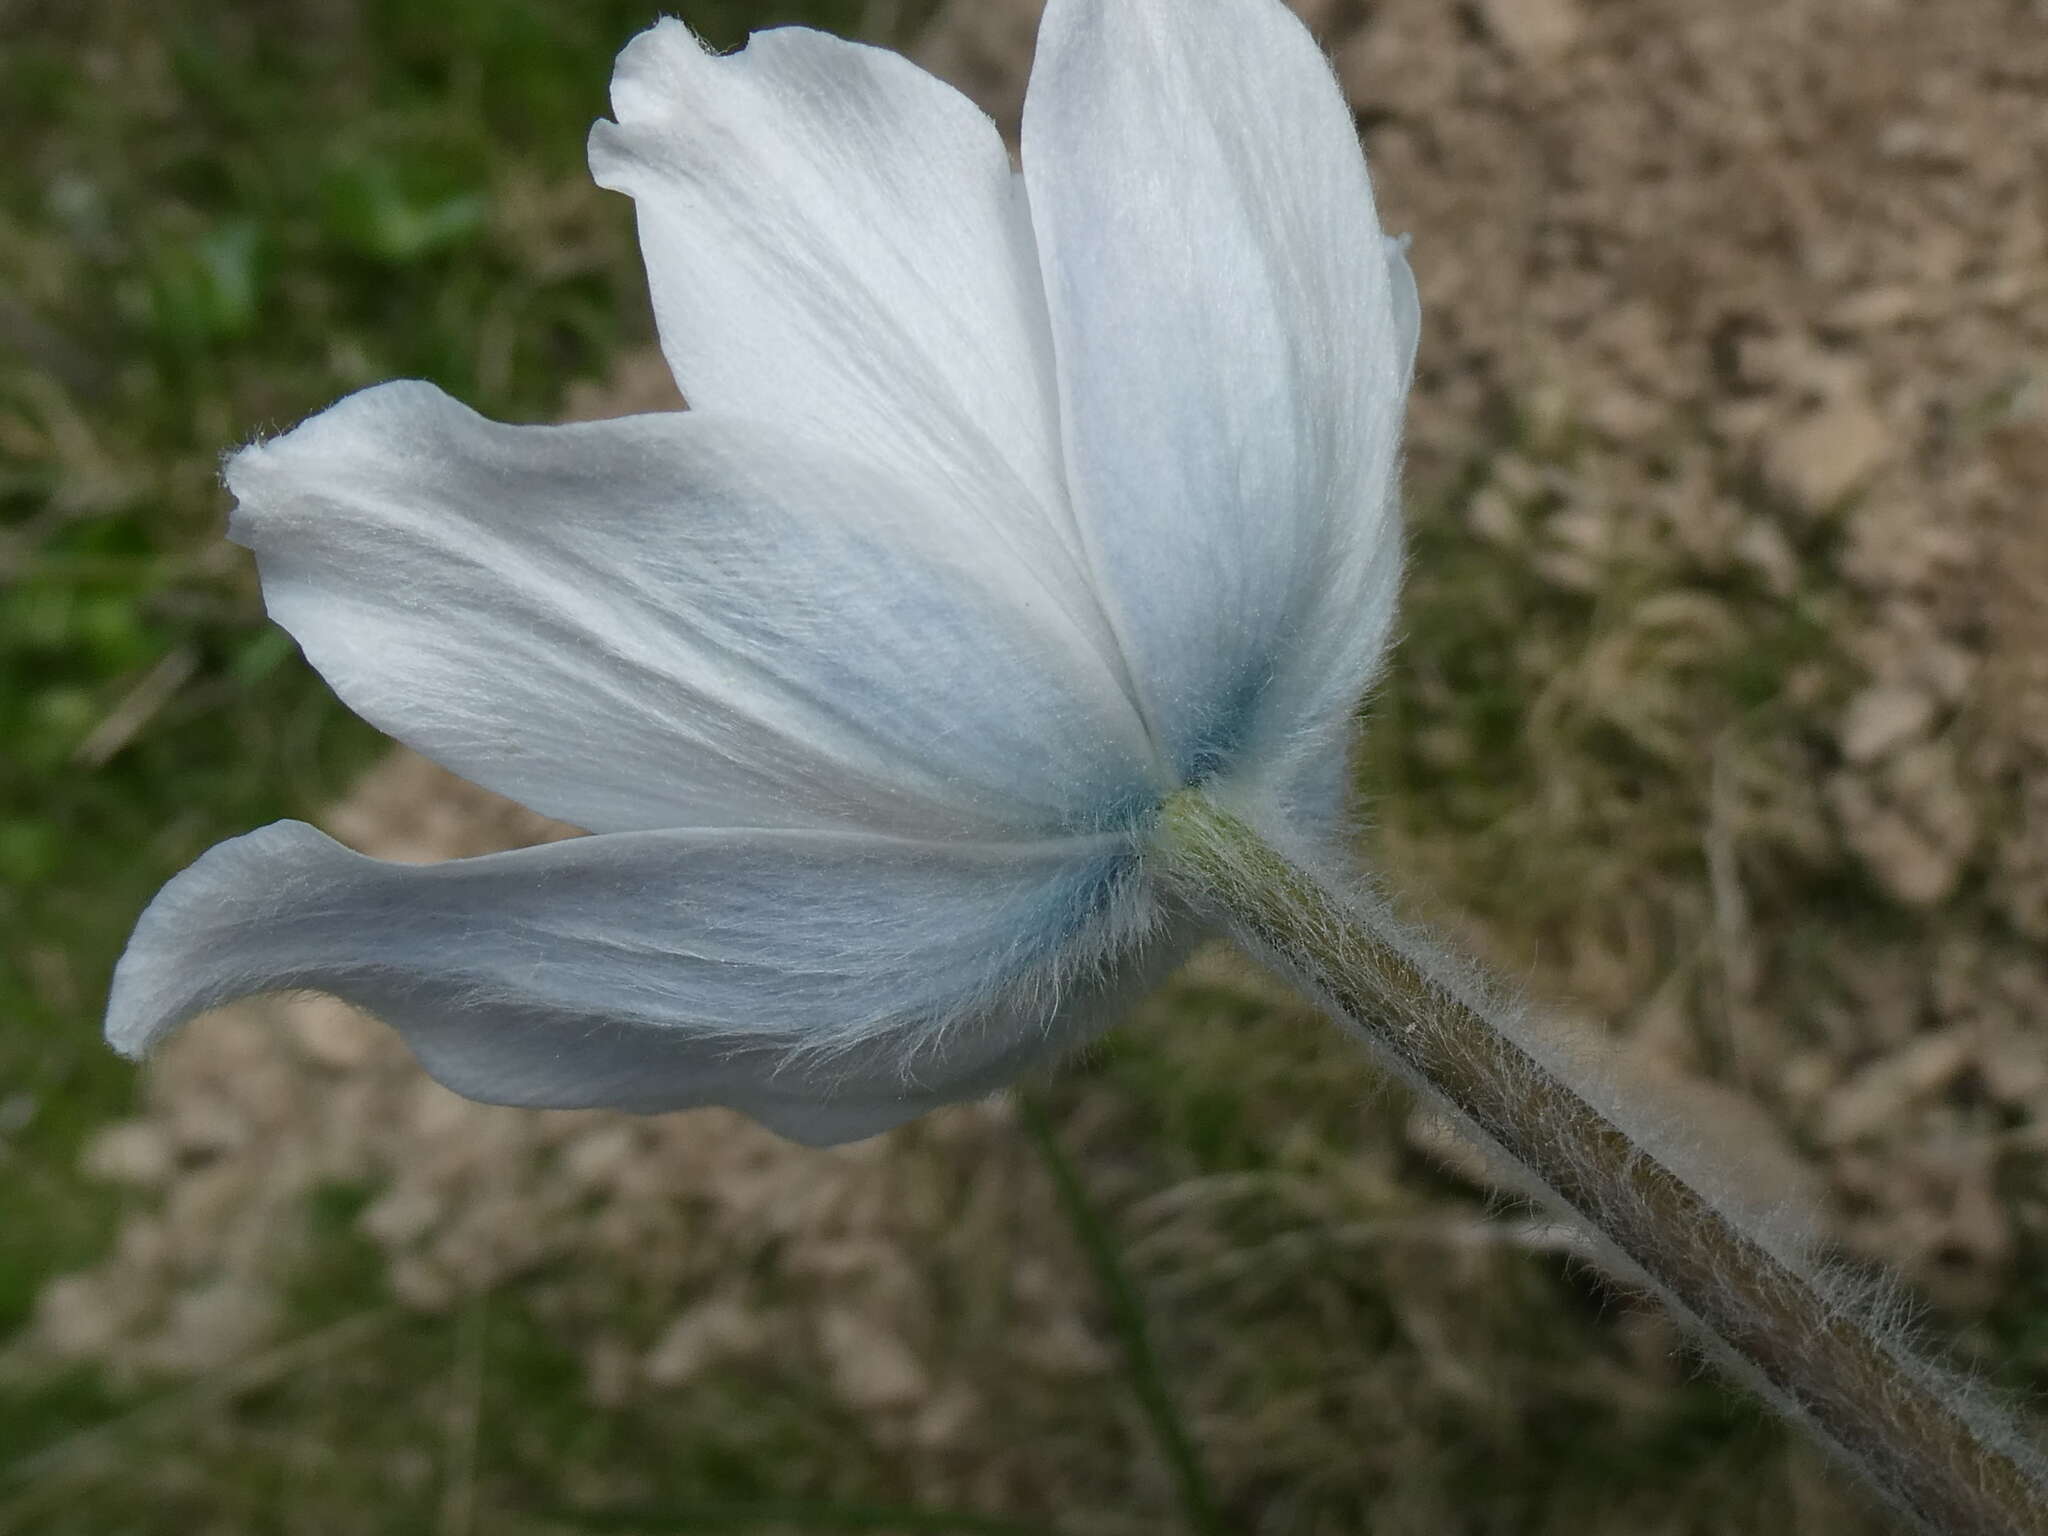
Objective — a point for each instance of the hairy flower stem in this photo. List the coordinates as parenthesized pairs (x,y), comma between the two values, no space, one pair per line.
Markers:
(1804,1334)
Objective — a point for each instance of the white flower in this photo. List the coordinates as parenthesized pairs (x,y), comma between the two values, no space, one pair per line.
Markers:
(1008,505)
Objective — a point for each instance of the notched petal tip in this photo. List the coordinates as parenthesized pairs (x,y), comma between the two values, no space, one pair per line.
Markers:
(648,68)
(666,78)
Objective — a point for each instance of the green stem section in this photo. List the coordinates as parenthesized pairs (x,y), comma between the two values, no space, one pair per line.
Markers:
(1800,1332)
(1127,1316)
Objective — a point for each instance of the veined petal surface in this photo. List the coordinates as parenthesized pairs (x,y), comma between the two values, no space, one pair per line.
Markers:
(830,984)
(1232,335)
(680,620)
(834,239)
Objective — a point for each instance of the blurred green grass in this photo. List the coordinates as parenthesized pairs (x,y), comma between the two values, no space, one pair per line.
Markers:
(214,220)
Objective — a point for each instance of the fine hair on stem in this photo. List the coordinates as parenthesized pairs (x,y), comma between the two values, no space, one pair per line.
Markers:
(1832,1348)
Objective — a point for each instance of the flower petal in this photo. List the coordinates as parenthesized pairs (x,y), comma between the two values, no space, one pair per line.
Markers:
(834,239)
(1228,323)
(1407,301)
(830,984)
(678,620)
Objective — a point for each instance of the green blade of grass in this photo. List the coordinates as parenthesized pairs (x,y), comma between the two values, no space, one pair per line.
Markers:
(1127,1316)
